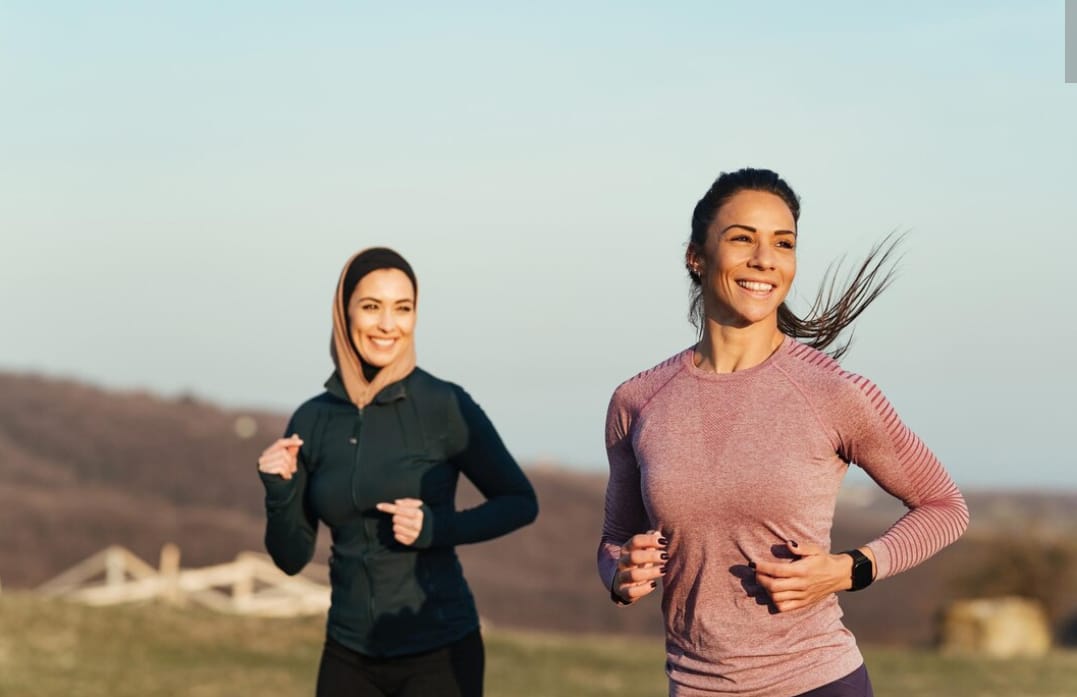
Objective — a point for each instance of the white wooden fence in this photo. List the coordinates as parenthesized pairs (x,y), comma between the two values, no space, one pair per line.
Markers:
(250,585)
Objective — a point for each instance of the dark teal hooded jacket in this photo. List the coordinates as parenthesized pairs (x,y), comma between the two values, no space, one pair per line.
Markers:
(412,441)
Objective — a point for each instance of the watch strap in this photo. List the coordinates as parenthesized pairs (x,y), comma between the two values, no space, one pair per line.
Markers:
(863,570)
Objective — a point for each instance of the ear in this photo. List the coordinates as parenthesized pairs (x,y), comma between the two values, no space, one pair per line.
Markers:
(693,261)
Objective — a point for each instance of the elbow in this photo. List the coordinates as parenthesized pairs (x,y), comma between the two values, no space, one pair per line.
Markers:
(524,509)
(531,509)
(290,561)
(527,506)
(955,512)
(959,511)
(291,570)
(289,565)
(963,517)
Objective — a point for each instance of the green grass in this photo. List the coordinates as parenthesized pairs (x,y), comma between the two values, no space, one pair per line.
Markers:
(50,648)
(898,672)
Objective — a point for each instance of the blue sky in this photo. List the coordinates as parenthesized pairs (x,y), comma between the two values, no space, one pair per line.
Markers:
(182,182)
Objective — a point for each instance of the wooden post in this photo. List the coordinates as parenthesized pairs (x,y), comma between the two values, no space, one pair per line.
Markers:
(114,566)
(243,586)
(169,570)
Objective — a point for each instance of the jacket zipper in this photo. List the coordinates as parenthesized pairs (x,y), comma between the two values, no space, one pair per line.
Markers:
(357,434)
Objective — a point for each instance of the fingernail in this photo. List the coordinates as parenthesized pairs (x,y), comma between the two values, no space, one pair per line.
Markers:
(654,584)
(793,543)
(751,565)
(663,541)
(662,569)
(665,555)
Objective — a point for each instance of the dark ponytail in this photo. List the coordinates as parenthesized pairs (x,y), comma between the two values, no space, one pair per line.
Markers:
(834,309)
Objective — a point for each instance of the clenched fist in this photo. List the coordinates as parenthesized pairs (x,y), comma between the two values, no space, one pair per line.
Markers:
(280,458)
(407,519)
(642,563)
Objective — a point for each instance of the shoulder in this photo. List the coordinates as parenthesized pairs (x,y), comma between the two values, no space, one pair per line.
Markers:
(826,383)
(654,378)
(810,367)
(426,386)
(632,395)
(446,408)
(437,398)
(317,405)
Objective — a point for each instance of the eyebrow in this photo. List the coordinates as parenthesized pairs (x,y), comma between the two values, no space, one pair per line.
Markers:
(749,228)
(379,300)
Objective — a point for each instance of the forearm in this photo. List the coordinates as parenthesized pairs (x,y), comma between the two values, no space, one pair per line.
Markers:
(290,533)
(920,534)
(497,516)
(624,512)
(291,546)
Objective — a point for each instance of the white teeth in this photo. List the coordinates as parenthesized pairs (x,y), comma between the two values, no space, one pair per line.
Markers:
(755,285)
(382,343)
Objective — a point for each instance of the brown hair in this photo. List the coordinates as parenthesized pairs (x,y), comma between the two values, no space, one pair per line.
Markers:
(835,307)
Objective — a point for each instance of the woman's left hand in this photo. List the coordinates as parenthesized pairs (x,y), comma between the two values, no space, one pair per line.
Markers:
(407,519)
(816,575)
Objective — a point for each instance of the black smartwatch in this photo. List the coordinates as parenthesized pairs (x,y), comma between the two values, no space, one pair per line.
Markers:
(863,570)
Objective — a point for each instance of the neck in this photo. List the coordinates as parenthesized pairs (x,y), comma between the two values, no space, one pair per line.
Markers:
(726,349)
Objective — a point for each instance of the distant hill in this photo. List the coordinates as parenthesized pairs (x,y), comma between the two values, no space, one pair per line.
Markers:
(82,467)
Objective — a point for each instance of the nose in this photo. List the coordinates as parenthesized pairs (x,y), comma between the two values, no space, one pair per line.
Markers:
(386,321)
(762,257)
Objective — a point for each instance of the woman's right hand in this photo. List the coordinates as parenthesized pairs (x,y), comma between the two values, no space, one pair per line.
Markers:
(642,562)
(280,458)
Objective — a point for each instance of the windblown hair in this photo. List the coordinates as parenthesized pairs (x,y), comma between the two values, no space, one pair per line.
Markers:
(835,307)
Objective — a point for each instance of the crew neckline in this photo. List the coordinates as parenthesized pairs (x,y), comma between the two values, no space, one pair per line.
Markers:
(688,358)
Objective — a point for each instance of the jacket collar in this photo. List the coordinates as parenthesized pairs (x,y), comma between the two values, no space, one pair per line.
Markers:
(390,393)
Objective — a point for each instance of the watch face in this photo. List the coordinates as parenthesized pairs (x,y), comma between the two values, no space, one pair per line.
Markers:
(862,572)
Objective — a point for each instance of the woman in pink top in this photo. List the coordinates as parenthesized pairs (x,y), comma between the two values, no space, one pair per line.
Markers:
(726,460)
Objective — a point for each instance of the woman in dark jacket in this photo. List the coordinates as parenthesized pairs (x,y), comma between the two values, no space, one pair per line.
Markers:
(376,457)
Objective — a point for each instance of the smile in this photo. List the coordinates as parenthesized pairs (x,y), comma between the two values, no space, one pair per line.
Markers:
(382,343)
(756,286)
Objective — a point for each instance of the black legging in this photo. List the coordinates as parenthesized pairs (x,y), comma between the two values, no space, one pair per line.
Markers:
(451,671)
(855,684)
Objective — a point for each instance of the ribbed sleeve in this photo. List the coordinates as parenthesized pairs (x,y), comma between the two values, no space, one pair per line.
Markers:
(873,436)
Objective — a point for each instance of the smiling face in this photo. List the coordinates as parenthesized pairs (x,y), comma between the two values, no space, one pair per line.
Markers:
(381,316)
(747,263)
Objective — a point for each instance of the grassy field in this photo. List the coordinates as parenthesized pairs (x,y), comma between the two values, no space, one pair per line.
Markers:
(50,648)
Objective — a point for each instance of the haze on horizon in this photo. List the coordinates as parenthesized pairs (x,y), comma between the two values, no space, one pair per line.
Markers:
(183,183)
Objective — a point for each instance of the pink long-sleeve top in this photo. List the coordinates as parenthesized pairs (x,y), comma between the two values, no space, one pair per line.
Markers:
(728,466)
